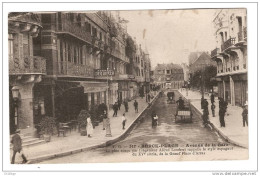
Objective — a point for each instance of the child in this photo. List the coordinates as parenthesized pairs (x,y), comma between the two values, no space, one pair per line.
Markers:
(123,121)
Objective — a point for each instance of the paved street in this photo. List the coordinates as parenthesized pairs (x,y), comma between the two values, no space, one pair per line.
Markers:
(168,132)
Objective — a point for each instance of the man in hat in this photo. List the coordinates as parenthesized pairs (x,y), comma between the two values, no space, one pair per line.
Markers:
(180,103)
(17,146)
(245,115)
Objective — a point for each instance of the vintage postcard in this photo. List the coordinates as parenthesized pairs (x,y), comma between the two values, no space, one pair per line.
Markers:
(128,86)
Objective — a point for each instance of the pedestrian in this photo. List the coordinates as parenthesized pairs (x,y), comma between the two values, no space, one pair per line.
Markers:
(115,108)
(202,103)
(206,104)
(221,102)
(136,106)
(17,147)
(119,104)
(205,117)
(154,119)
(212,98)
(89,127)
(123,121)
(148,97)
(126,105)
(245,115)
(104,119)
(213,109)
(180,103)
(222,116)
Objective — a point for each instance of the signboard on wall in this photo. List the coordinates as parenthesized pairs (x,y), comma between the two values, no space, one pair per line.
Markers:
(100,72)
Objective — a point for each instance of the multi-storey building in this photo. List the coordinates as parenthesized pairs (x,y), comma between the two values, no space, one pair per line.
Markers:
(230,54)
(169,73)
(63,62)
(26,70)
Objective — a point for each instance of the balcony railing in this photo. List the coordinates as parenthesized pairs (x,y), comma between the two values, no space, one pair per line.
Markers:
(228,43)
(73,69)
(214,52)
(27,65)
(75,30)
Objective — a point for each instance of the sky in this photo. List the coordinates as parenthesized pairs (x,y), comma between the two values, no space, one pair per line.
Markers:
(169,35)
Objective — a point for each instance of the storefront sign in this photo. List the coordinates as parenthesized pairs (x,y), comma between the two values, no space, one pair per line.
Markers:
(100,72)
(131,77)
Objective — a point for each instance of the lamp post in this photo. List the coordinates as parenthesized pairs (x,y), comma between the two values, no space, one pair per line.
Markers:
(15,93)
(108,129)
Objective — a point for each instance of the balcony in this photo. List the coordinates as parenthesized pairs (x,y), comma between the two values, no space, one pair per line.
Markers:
(228,43)
(73,69)
(215,52)
(75,31)
(27,65)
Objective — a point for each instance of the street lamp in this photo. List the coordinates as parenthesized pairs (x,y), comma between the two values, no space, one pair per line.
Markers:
(108,129)
(15,93)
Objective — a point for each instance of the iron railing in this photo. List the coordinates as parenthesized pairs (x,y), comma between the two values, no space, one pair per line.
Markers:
(214,52)
(228,43)
(73,69)
(68,27)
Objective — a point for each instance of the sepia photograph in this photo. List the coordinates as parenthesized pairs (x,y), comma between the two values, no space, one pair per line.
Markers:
(122,86)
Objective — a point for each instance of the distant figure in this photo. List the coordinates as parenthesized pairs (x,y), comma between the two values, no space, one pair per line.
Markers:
(115,108)
(205,117)
(148,97)
(222,112)
(119,104)
(136,106)
(104,119)
(245,115)
(213,109)
(123,121)
(212,98)
(205,104)
(126,105)
(89,127)
(17,146)
(180,103)
(154,119)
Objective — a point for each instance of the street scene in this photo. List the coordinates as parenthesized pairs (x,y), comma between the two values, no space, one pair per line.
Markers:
(128,86)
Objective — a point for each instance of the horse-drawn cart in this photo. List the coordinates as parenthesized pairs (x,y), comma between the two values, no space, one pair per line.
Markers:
(183,114)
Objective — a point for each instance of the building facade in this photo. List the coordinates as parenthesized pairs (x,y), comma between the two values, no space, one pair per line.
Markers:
(230,55)
(26,70)
(63,62)
(172,74)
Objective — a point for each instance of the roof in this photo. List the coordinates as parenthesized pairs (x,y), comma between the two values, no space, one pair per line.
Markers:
(168,66)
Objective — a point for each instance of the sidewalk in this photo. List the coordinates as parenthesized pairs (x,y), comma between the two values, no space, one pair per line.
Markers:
(234,131)
(74,142)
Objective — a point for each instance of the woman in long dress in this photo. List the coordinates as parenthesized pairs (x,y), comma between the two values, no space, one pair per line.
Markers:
(89,127)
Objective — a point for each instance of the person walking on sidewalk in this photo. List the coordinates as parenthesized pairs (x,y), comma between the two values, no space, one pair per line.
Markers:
(205,117)
(136,106)
(222,112)
(212,98)
(17,147)
(89,127)
(123,121)
(115,108)
(149,97)
(104,119)
(245,115)
(213,109)
(119,104)
(126,105)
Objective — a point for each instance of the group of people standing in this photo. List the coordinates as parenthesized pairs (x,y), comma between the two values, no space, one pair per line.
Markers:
(117,107)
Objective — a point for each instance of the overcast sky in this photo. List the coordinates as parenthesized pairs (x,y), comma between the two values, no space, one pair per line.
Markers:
(168,33)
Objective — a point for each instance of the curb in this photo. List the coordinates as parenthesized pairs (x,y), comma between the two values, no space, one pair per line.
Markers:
(104,144)
(214,127)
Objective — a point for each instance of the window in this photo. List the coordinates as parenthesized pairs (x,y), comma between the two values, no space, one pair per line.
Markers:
(100,34)
(168,71)
(88,27)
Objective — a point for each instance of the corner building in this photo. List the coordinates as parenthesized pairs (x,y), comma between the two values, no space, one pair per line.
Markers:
(230,55)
